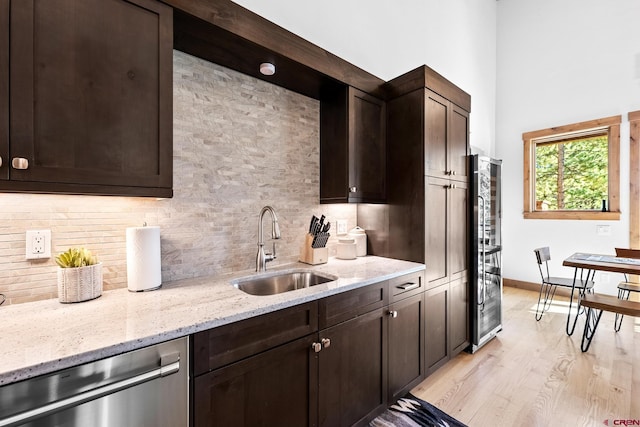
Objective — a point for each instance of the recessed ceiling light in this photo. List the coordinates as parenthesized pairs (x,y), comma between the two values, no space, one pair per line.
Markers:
(267,68)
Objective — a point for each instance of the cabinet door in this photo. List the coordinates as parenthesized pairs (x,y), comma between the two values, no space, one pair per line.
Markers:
(91,95)
(458,143)
(436,125)
(459,315)
(406,345)
(436,343)
(353,371)
(367,178)
(446,138)
(458,229)
(436,220)
(274,388)
(4,89)
(352,146)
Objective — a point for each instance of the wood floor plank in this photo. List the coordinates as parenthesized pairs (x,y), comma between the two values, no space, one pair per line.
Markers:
(533,374)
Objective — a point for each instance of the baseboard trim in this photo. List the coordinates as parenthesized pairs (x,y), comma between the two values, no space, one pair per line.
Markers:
(530,286)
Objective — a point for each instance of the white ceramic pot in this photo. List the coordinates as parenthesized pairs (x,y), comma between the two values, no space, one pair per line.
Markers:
(346,248)
(80,284)
(360,236)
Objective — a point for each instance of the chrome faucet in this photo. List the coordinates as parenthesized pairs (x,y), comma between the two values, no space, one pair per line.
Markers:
(263,258)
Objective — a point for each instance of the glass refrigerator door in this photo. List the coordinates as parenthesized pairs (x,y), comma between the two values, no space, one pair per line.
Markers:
(489,247)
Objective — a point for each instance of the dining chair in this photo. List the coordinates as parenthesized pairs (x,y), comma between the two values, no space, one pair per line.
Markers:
(625,288)
(549,283)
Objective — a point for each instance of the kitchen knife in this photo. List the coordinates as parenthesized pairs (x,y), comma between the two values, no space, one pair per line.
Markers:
(312,224)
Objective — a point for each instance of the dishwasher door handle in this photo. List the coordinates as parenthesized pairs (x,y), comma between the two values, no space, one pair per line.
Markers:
(81,398)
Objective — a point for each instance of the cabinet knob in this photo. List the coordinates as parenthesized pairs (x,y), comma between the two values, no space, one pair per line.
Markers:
(393,314)
(316,347)
(451,186)
(453,172)
(0,161)
(353,189)
(326,342)
(20,163)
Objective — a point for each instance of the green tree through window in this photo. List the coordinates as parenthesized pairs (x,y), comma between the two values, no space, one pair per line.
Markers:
(570,169)
(571,174)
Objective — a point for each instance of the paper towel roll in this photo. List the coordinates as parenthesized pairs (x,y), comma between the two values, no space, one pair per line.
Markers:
(143,258)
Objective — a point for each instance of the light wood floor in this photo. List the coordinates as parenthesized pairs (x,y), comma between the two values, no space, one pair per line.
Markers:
(533,374)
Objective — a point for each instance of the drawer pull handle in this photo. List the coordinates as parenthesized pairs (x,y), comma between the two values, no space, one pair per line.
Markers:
(408,286)
(20,163)
(316,347)
(393,314)
(326,342)
(353,189)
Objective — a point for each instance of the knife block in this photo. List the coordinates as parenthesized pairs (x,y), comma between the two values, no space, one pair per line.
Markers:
(313,256)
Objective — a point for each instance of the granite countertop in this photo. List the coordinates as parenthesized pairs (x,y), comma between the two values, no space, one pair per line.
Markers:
(45,336)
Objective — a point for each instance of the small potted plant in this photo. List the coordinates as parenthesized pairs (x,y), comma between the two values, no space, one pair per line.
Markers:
(79,276)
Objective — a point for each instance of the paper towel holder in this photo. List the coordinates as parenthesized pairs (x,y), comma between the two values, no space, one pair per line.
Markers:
(144,272)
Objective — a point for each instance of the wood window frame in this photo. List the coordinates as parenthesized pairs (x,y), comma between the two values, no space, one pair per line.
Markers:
(613,126)
(634,179)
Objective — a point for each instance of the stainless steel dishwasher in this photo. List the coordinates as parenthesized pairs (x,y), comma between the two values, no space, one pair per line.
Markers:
(142,388)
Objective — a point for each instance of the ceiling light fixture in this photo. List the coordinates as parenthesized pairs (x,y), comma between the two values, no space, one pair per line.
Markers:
(267,68)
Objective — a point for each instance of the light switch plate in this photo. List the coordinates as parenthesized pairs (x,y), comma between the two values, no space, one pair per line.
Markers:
(341,227)
(603,230)
(38,244)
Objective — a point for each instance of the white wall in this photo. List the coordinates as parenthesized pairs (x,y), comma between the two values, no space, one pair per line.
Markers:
(561,63)
(454,37)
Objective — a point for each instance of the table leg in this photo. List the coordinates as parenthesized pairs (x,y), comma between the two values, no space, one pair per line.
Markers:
(571,326)
(590,327)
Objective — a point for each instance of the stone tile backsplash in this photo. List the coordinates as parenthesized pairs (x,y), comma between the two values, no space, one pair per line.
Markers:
(239,144)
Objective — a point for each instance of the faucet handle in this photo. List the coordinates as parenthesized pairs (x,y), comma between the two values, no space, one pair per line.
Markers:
(271,256)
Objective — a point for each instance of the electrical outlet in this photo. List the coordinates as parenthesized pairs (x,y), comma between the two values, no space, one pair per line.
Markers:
(38,244)
(341,226)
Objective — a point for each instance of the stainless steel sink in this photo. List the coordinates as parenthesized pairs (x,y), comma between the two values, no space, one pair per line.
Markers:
(278,282)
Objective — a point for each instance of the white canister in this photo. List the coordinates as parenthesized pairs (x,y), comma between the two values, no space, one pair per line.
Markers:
(346,248)
(360,236)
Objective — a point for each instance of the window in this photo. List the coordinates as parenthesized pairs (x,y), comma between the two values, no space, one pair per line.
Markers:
(572,171)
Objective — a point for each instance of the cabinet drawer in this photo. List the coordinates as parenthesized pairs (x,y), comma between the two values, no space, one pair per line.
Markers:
(226,344)
(345,306)
(405,286)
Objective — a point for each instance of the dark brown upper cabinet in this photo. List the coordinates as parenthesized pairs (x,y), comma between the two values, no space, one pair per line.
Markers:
(447,130)
(90,97)
(352,147)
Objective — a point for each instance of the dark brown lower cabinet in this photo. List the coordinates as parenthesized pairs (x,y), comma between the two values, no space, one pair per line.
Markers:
(353,371)
(446,322)
(335,362)
(275,388)
(406,345)
(436,327)
(459,315)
